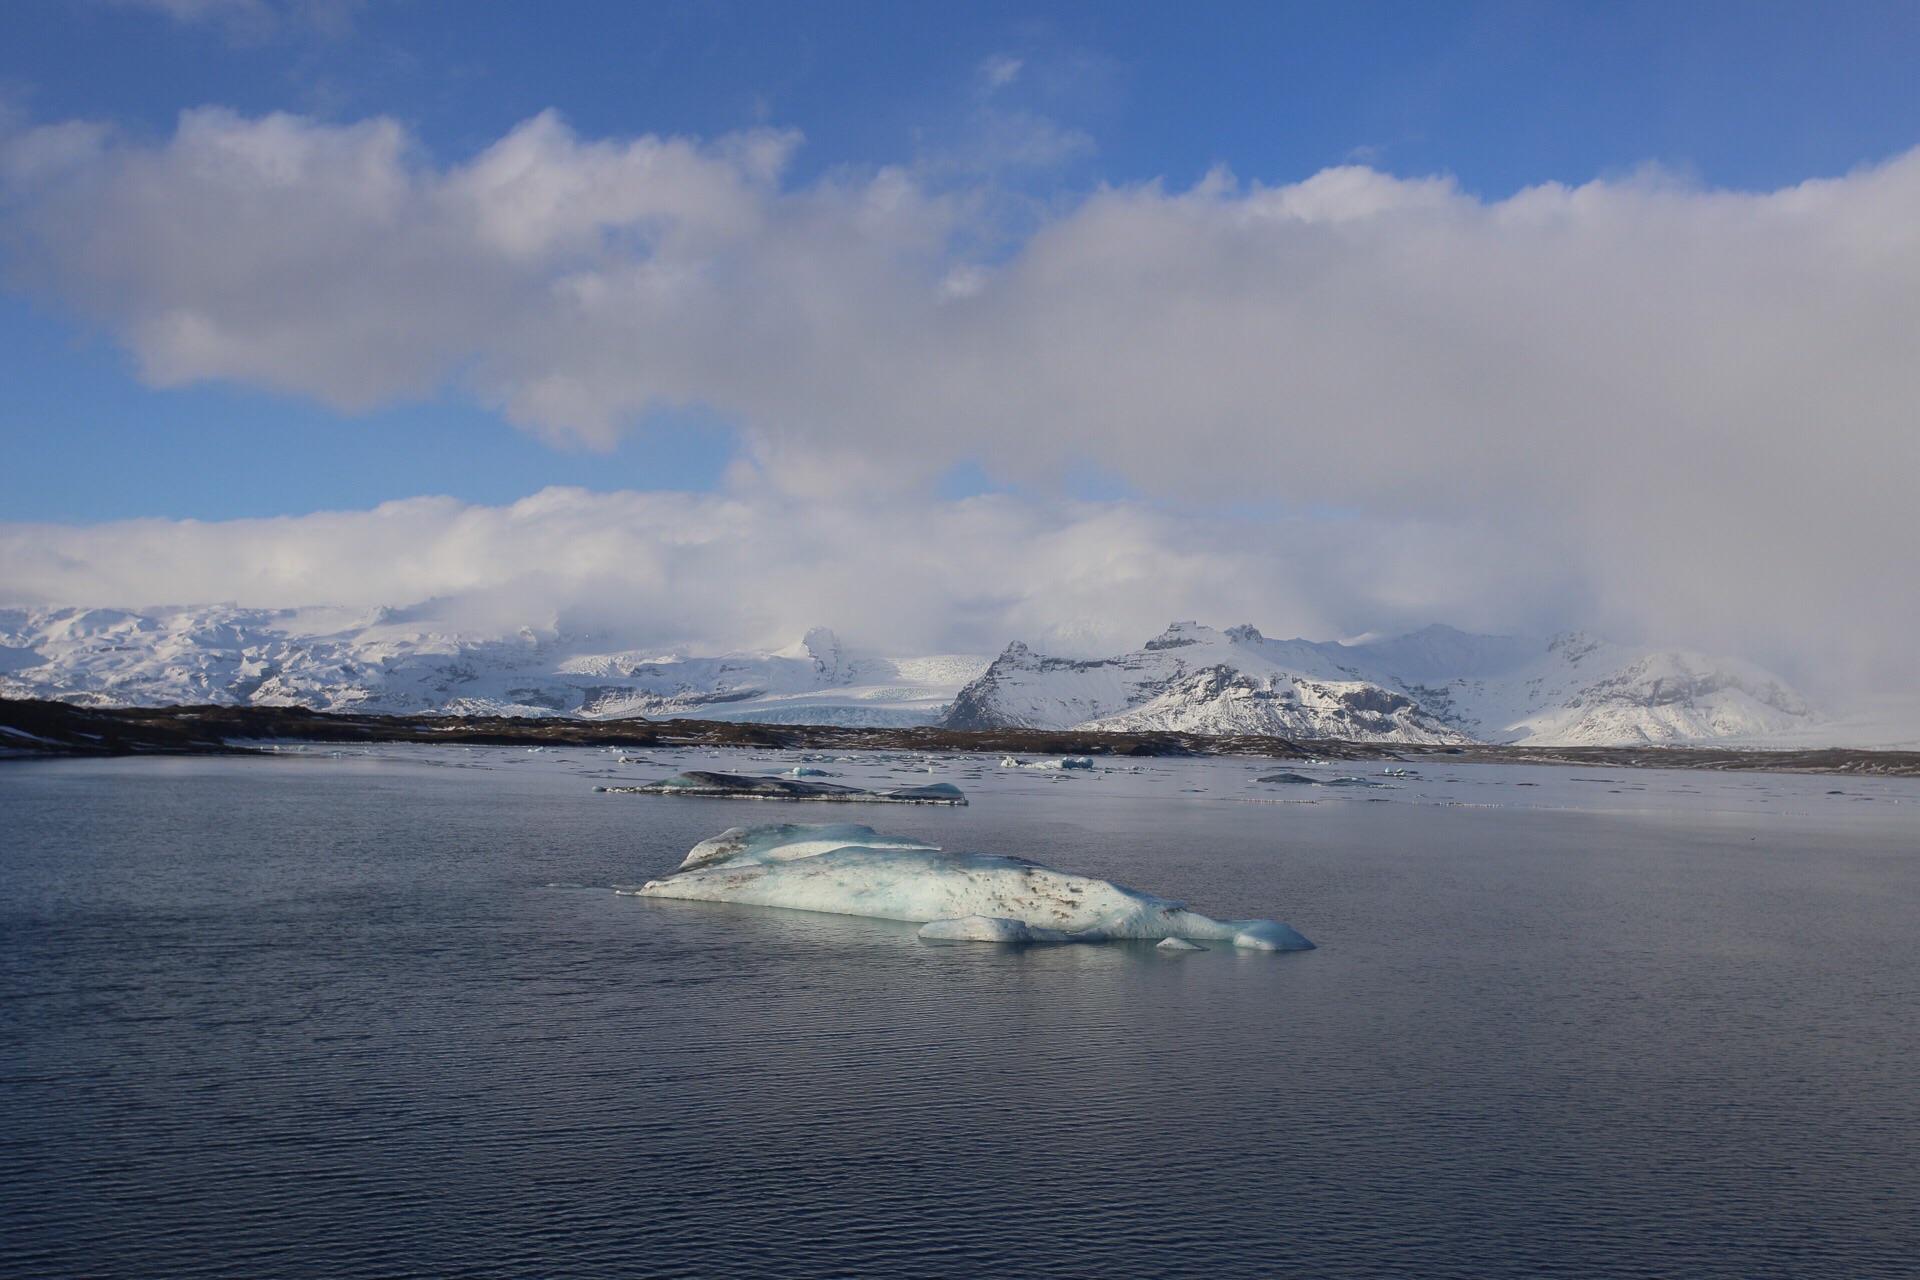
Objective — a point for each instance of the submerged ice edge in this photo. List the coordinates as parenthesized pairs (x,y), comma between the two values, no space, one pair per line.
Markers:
(844,869)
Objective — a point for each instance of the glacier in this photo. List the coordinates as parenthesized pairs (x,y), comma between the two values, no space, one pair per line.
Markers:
(844,869)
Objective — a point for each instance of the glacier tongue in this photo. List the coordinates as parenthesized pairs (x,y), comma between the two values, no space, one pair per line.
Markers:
(845,869)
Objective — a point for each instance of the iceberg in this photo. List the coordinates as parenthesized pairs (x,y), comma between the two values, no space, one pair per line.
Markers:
(845,869)
(1301,779)
(743,786)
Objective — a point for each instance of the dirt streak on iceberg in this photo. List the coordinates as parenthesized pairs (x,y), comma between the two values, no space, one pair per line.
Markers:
(845,869)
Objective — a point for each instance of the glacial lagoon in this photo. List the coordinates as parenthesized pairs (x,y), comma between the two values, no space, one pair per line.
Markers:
(379,1013)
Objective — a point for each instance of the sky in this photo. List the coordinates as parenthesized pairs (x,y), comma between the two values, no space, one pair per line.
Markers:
(949,325)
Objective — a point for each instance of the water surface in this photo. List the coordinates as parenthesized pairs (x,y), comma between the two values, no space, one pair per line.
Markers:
(335,1014)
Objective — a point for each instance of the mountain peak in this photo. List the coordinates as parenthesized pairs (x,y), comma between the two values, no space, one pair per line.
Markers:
(1180,634)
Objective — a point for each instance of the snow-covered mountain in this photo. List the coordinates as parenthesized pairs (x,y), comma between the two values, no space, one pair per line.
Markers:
(1194,679)
(391,662)
(1434,685)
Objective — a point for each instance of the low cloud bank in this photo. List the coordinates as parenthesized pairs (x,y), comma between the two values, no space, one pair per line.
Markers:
(755,571)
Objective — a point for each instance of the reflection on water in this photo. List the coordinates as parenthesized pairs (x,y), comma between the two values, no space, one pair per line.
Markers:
(325,1016)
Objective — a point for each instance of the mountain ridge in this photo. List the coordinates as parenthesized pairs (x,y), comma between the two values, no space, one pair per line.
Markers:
(1436,685)
(1433,685)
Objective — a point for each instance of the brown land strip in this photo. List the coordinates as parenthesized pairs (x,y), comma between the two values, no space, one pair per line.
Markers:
(59,728)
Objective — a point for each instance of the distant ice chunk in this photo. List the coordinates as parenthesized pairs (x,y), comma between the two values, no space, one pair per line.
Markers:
(846,869)
(742,786)
(1301,779)
(1178,945)
(1063,762)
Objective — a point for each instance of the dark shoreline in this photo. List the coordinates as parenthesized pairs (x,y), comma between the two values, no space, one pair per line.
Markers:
(62,729)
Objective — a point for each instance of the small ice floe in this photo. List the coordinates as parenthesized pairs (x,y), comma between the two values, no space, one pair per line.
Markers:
(1177,946)
(803,771)
(1398,773)
(1063,762)
(1296,779)
(960,897)
(740,786)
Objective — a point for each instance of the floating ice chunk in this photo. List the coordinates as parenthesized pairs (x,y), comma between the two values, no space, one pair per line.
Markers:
(802,771)
(1269,935)
(852,870)
(1064,762)
(740,786)
(989,929)
(1178,945)
(1301,779)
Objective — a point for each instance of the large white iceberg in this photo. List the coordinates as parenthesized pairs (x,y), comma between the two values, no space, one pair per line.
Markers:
(852,870)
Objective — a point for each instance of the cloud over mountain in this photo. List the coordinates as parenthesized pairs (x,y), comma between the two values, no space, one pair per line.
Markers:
(757,568)
(1703,398)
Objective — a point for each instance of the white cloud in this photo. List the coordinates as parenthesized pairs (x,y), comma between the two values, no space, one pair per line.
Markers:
(253,19)
(756,568)
(999,71)
(1702,399)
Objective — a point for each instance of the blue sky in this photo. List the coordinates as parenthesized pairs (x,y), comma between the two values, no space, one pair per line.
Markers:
(1501,95)
(1332,318)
